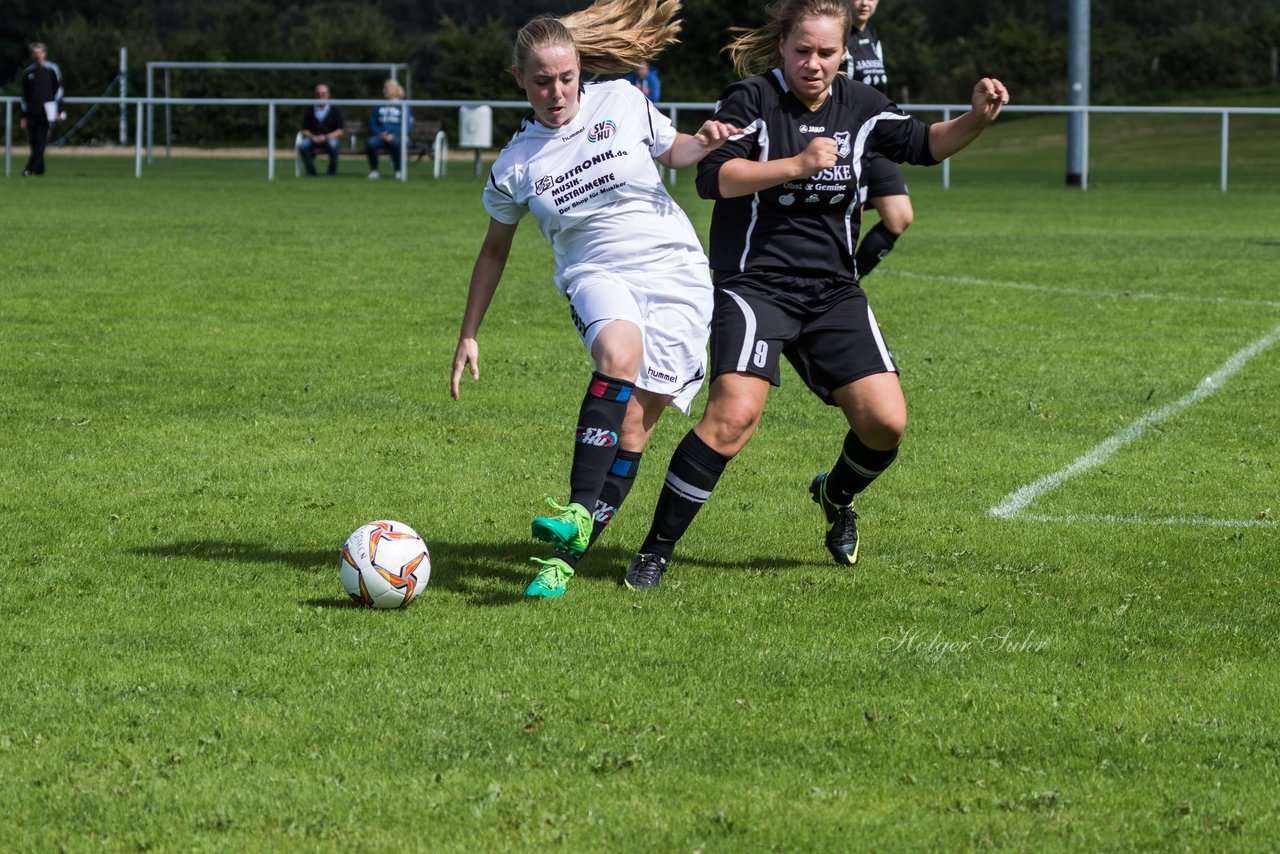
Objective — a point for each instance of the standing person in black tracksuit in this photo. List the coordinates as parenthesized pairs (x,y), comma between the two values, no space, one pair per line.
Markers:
(40,106)
(783,236)
(883,186)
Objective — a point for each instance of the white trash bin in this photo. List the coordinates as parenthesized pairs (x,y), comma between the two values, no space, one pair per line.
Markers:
(475,129)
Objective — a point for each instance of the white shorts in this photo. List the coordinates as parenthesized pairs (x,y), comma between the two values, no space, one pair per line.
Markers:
(672,308)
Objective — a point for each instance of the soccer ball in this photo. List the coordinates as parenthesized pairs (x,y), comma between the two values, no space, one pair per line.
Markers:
(385,564)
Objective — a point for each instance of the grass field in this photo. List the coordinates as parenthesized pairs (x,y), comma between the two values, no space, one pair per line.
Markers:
(1062,633)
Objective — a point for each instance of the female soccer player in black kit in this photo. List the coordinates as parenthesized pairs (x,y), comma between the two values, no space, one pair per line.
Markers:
(783,236)
(884,187)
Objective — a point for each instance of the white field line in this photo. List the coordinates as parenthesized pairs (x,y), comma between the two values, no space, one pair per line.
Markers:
(1017,501)
(1080,292)
(1114,519)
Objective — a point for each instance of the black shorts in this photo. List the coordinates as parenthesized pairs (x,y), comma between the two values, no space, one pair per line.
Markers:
(881,177)
(823,326)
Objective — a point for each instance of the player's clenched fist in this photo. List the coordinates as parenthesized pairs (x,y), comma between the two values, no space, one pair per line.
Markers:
(989,95)
(818,155)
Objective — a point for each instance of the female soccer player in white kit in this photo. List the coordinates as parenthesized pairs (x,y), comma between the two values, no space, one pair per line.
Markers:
(627,258)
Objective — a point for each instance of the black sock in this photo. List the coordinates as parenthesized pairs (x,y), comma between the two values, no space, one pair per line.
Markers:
(875,244)
(596,442)
(622,476)
(857,466)
(695,468)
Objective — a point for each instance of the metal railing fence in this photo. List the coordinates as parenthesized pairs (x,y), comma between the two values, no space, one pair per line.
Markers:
(143,106)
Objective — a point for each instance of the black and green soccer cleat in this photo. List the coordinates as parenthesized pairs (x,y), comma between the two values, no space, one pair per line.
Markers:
(645,572)
(842,524)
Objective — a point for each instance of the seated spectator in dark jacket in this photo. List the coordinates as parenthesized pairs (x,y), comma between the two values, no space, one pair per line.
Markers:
(321,128)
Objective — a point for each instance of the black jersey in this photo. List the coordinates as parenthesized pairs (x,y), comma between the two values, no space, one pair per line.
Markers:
(806,227)
(40,85)
(865,59)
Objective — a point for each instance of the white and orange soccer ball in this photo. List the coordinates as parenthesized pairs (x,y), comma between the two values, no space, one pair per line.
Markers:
(385,564)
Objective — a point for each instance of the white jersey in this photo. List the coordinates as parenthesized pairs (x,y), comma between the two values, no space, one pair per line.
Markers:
(593,188)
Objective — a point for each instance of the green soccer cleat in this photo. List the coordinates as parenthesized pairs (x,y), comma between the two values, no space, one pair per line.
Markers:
(842,524)
(570,530)
(550,580)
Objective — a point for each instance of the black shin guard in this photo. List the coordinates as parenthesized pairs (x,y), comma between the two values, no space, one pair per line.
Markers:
(622,476)
(694,471)
(856,468)
(596,441)
(876,244)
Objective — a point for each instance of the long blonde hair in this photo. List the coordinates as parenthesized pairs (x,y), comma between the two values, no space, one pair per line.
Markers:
(610,36)
(757,50)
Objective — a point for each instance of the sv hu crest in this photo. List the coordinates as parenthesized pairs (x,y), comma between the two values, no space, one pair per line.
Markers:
(602,130)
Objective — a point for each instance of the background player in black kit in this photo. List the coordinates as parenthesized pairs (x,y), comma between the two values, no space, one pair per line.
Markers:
(783,235)
(884,187)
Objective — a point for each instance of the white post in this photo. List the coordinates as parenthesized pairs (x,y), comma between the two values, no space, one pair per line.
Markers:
(151,113)
(1084,149)
(404,143)
(1226,117)
(671,173)
(440,154)
(1077,86)
(168,118)
(137,145)
(271,141)
(124,93)
(8,137)
(946,164)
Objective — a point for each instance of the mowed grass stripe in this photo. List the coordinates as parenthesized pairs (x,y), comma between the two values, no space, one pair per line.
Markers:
(1081,292)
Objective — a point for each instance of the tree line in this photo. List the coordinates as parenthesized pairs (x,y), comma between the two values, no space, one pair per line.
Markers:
(1143,51)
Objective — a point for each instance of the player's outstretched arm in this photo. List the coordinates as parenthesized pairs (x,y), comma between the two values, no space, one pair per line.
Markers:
(946,138)
(688,149)
(485,276)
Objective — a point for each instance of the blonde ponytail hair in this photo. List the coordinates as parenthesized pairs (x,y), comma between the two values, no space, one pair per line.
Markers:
(610,36)
(760,49)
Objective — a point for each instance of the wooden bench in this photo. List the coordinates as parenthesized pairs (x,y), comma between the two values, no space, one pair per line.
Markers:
(422,140)
(422,137)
